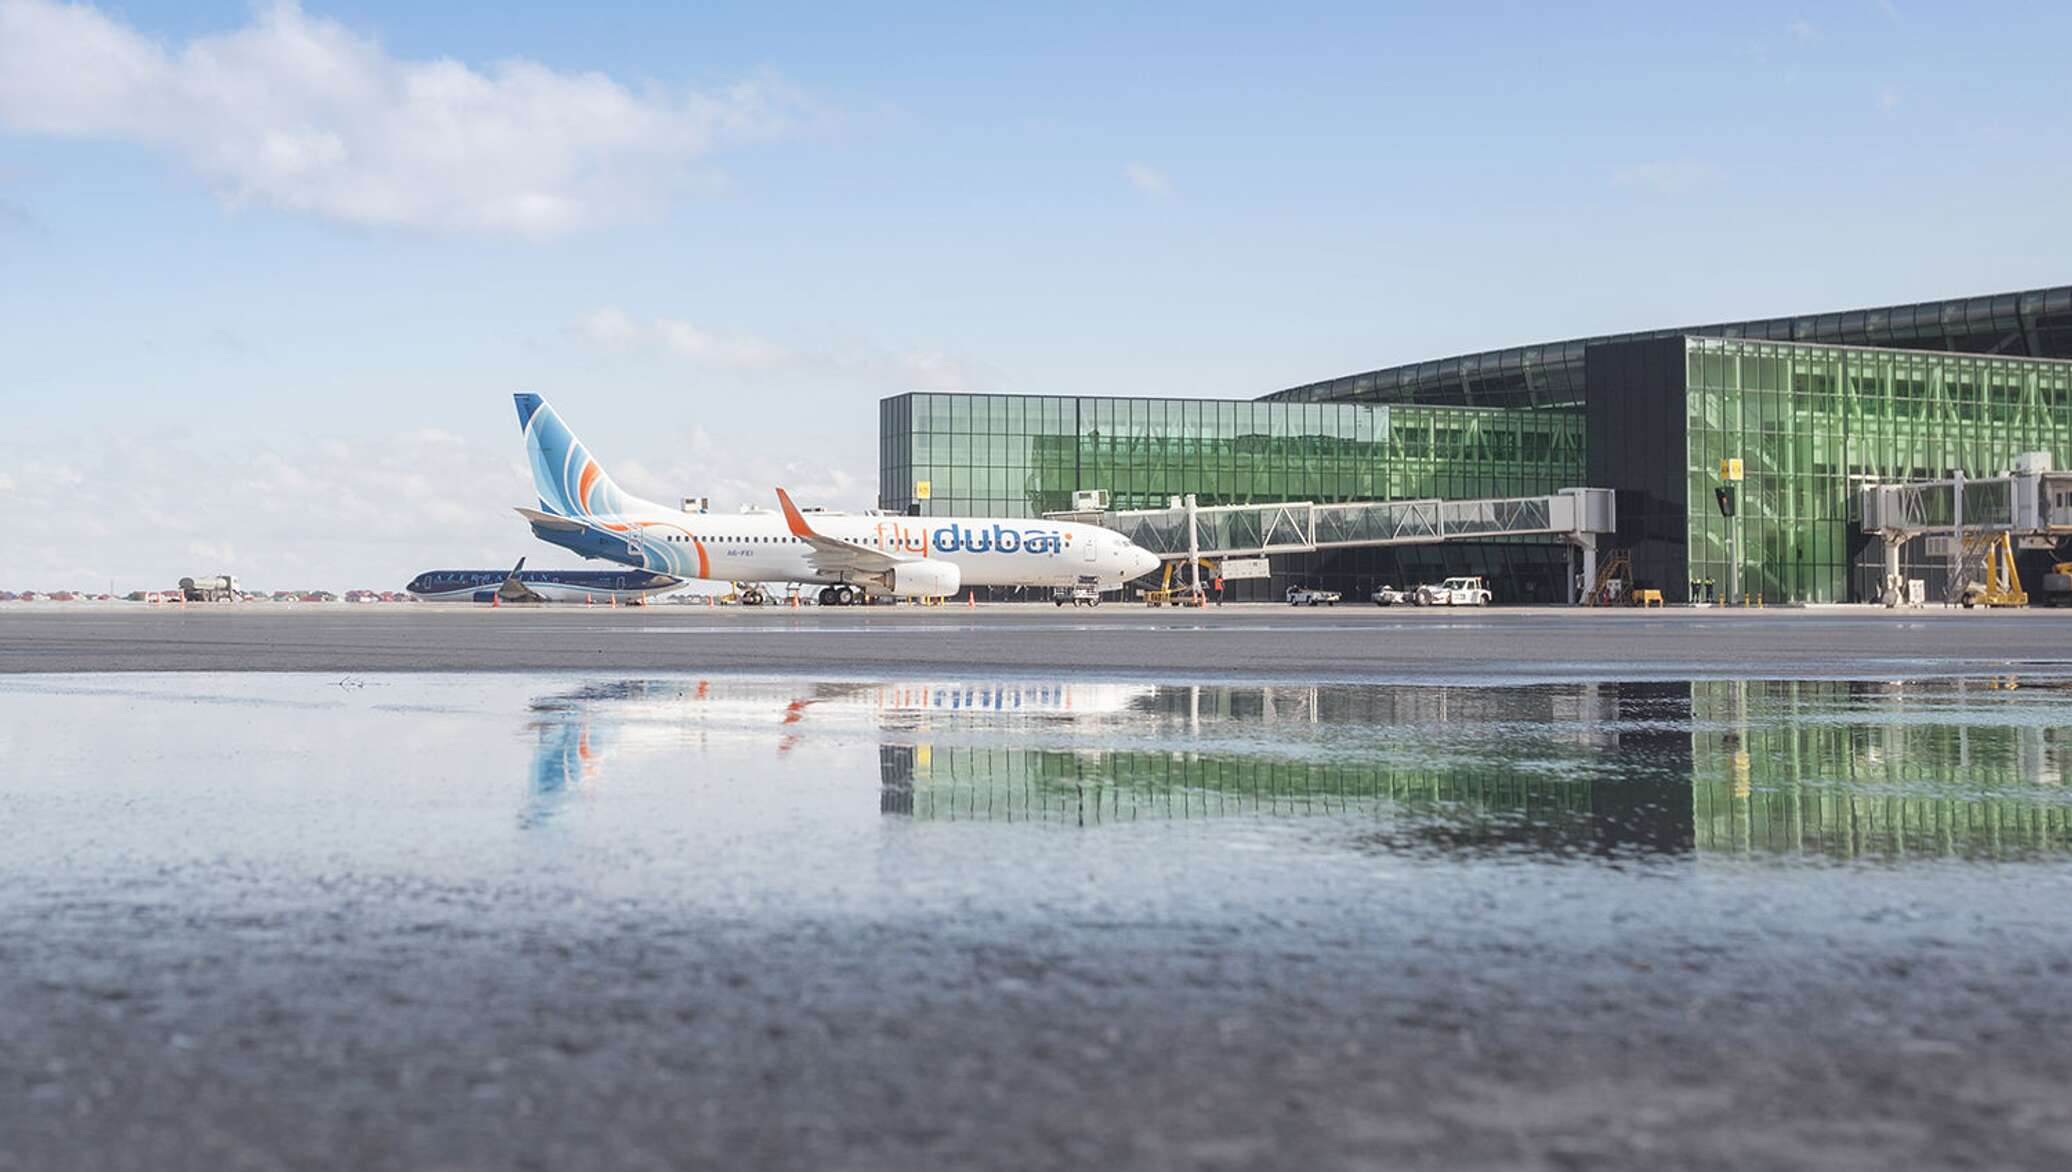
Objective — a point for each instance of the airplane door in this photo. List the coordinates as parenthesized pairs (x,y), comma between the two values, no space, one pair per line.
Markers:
(1090,551)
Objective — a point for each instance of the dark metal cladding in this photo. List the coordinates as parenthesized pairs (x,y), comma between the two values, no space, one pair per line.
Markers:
(2036,323)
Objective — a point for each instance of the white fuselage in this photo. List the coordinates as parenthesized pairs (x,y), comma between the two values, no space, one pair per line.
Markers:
(987,551)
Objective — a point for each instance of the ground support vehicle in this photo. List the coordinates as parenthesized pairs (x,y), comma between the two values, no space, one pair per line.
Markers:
(217,588)
(1464,591)
(2000,585)
(1076,595)
(1171,593)
(1304,596)
(1388,596)
(2057,586)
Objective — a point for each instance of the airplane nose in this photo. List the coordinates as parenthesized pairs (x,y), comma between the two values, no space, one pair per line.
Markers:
(1142,561)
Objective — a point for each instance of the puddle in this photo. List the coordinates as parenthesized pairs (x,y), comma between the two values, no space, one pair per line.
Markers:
(800,785)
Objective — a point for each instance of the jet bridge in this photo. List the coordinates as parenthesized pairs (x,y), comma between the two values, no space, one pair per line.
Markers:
(1184,531)
(2033,501)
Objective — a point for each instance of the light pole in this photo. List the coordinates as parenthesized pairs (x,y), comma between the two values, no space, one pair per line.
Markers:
(1730,470)
(1193,553)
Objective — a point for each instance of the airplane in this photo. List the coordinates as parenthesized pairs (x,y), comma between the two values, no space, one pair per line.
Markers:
(519,584)
(853,558)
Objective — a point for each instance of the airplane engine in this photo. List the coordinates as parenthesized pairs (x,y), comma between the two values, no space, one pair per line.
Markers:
(924,579)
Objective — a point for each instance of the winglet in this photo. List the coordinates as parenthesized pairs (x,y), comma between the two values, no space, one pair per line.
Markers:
(798,525)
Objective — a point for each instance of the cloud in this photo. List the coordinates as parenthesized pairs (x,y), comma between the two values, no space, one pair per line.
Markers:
(721,352)
(1667,177)
(732,477)
(1889,98)
(613,329)
(301,113)
(1147,179)
(143,508)
(934,370)
(608,327)
(1802,30)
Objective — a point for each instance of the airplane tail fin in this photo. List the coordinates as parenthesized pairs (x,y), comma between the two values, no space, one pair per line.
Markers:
(569,480)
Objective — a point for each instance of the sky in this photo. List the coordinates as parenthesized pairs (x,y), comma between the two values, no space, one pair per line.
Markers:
(269,273)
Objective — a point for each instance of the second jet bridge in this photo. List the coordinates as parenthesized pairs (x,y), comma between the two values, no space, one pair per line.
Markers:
(1578,515)
(2031,502)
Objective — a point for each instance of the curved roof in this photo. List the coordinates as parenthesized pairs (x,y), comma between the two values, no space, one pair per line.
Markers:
(2036,323)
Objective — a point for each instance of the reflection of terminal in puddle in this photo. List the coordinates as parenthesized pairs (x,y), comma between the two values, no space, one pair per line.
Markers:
(1577,768)
(1464,807)
(1828,768)
(1851,769)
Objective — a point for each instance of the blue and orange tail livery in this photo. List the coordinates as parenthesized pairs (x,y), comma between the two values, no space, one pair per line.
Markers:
(570,482)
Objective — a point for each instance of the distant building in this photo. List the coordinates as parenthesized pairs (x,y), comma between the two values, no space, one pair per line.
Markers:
(1814,406)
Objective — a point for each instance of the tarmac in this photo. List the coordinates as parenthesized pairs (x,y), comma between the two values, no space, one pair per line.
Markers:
(453,888)
(1344,643)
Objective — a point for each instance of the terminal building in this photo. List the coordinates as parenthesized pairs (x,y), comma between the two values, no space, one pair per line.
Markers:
(1814,407)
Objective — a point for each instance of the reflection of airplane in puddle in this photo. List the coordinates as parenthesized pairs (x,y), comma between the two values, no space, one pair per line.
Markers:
(580,729)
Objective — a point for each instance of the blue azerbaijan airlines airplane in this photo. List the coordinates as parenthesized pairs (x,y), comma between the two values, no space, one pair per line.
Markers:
(519,584)
(852,557)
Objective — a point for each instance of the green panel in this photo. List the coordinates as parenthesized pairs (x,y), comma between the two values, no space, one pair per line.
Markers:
(1028,455)
(1813,423)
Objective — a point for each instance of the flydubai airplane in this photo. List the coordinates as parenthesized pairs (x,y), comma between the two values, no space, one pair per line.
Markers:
(852,557)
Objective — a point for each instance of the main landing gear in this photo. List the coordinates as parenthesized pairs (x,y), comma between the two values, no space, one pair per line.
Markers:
(841,596)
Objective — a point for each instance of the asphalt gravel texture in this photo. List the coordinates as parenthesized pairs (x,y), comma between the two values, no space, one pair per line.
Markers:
(1343,643)
(249,929)
(1632,1024)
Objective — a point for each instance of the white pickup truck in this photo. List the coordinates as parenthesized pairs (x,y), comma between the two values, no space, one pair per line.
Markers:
(1454,592)
(1304,596)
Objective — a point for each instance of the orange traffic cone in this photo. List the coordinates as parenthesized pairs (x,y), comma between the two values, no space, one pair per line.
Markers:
(971,600)
(495,600)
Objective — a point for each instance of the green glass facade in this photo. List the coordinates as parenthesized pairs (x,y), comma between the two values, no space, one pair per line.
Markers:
(1811,424)
(1873,770)
(1024,455)
(1839,769)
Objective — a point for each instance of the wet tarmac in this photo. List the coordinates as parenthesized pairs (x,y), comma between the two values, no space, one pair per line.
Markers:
(615,920)
(1255,642)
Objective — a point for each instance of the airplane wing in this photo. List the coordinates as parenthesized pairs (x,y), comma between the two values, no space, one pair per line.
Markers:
(514,590)
(832,554)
